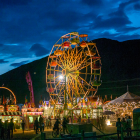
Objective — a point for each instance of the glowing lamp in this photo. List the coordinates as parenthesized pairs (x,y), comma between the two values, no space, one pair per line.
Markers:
(108,122)
(61,77)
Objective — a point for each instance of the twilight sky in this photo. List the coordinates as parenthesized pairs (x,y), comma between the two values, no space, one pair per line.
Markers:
(29,28)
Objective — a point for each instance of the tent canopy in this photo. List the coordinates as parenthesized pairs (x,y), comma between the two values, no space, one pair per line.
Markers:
(127,97)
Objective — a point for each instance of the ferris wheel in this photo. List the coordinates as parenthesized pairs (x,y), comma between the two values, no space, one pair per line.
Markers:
(73,69)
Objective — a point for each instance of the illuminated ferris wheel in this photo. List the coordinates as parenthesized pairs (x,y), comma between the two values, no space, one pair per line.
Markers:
(73,69)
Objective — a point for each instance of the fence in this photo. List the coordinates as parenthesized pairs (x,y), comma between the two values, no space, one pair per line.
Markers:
(83,136)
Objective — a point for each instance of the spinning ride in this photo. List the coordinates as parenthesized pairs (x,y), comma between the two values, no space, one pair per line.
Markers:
(73,70)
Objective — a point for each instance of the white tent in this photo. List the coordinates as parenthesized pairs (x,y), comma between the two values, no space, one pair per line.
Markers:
(127,97)
(124,104)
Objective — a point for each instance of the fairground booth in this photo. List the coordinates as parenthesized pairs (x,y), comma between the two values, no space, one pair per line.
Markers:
(9,112)
(88,107)
(9,109)
(30,114)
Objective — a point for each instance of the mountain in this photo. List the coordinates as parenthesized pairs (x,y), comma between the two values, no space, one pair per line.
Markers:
(120,67)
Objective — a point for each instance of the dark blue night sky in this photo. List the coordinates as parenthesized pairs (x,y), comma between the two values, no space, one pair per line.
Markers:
(29,28)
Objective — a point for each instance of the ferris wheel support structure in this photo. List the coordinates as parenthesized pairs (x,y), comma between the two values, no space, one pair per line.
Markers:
(75,58)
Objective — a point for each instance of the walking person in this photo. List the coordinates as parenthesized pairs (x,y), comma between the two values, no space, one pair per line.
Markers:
(5,129)
(8,132)
(2,132)
(123,123)
(88,120)
(23,126)
(118,125)
(64,124)
(36,125)
(98,123)
(47,123)
(79,119)
(11,127)
(129,122)
(56,125)
(40,122)
(43,126)
(103,123)
(50,123)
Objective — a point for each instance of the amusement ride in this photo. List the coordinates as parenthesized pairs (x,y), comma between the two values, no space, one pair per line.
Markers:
(73,71)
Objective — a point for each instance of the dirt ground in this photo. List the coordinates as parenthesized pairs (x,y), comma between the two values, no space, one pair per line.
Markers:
(29,135)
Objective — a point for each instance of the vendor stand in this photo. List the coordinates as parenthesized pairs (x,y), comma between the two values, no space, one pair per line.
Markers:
(30,114)
(11,112)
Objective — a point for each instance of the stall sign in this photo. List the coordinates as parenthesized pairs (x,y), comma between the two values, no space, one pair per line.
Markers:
(35,110)
(35,113)
(32,110)
(12,108)
(40,109)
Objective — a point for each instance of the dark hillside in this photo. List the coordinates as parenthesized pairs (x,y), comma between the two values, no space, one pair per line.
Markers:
(120,61)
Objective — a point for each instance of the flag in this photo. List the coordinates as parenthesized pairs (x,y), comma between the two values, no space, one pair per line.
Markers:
(3,100)
(41,101)
(10,97)
(7,101)
(26,99)
(104,100)
(106,97)
(111,97)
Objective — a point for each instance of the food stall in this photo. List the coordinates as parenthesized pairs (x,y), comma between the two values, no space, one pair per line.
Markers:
(29,115)
(11,111)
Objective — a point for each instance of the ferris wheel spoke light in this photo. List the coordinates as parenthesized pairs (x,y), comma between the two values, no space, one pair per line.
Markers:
(61,77)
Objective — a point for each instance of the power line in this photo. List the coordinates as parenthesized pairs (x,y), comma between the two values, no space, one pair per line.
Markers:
(119,87)
(122,80)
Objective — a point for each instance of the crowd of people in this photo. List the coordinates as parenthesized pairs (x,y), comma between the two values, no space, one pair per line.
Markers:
(6,129)
(124,126)
(39,124)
